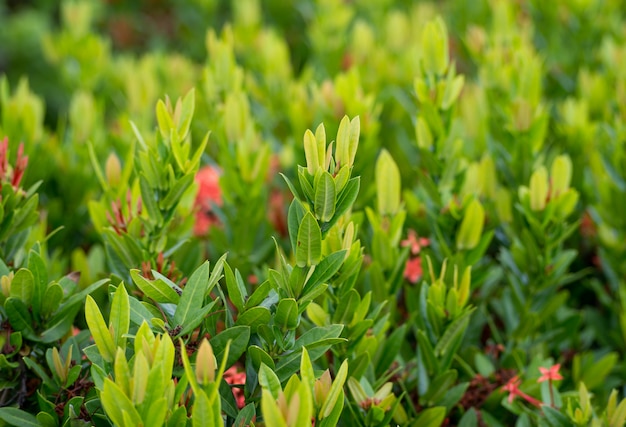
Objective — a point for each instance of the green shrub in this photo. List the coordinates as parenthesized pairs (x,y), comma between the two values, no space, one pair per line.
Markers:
(354,213)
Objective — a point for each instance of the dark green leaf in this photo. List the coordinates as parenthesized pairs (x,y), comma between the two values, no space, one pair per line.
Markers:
(40,276)
(324,270)
(19,317)
(254,317)
(157,290)
(238,336)
(17,417)
(245,416)
(236,290)
(287,313)
(51,299)
(176,192)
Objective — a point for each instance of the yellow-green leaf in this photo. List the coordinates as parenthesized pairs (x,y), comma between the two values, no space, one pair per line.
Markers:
(99,331)
(119,319)
(539,189)
(471,229)
(387,184)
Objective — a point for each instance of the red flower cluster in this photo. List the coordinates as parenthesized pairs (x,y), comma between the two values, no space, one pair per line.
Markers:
(235,378)
(547,374)
(550,374)
(513,388)
(209,193)
(14,175)
(413,270)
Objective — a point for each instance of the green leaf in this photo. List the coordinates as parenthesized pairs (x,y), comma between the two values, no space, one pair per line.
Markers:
(95,165)
(306,370)
(469,419)
(34,366)
(270,410)
(258,356)
(431,417)
(157,290)
(19,317)
(555,418)
(5,364)
(78,297)
(439,387)
(99,331)
(60,324)
(318,334)
(332,419)
(342,153)
(119,318)
(192,298)
(618,417)
(236,289)
(127,251)
(46,420)
(178,418)
(51,299)
(245,416)
(17,417)
(388,185)
(139,313)
(164,119)
(335,390)
(292,188)
(294,218)
(186,114)
(239,336)
(259,294)
(325,196)
(155,415)
(452,333)
(345,199)
(176,192)
(453,396)
(269,381)
(40,277)
(254,317)
(216,273)
(390,350)
(196,318)
(309,244)
(471,228)
(311,153)
(149,200)
(306,184)
(23,286)
(116,404)
(204,414)
(287,313)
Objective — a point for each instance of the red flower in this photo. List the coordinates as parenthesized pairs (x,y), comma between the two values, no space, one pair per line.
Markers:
(276,212)
(232,377)
(416,243)
(587,226)
(550,374)
(513,388)
(413,270)
(209,193)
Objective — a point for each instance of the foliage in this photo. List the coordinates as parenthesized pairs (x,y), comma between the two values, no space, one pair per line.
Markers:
(348,213)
